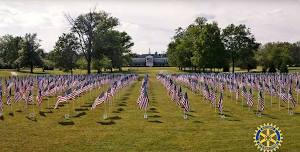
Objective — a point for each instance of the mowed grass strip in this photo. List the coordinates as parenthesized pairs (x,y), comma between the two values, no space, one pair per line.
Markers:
(164,130)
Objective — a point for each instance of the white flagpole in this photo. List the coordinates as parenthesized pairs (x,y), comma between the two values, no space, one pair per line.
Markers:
(271,100)
(145,114)
(184,114)
(288,105)
(279,98)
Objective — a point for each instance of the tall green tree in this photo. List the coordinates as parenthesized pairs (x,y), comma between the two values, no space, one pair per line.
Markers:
(28,55)
(274,56)
(115,45)
(294,53)
(199,45)
(209,50)
(65,51)
(237,40)
(86,27)
(9,48)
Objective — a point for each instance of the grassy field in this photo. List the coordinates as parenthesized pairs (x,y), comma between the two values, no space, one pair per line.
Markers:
(164,130)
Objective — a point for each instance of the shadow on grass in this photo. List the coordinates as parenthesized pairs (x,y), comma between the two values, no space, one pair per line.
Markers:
(197,121)
(19,111)
(11,114)
(122,104)
(81,109)
(79,114)
(127,94)
(66,122)
(227,115)
(31,118)
(190,115)
(106,122)
(124,98)
(114,118)
(155,121)
(152,109)
(155,116)
(42,113)
(232,119)
(2,117)
(120,109)
(86,106)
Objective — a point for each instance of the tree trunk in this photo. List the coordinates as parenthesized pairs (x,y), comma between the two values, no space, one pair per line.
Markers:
(232,65)
(89,66)
(31,68)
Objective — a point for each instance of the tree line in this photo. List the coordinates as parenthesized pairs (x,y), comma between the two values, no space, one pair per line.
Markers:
(93,42)
(203,46)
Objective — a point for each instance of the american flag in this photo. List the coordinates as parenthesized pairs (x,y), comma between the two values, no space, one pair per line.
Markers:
(244,92)
(220,103)
(178,96)
(30,97)
(291,98)
(67,96)
(297,86)
(185,102)
(1,102)
(17,94)
(8,96)
(206,91)
(250,98)
(261,101)
(283,95)
(213,97)
(39,97)
(99,100)
(237,92)
(143,100)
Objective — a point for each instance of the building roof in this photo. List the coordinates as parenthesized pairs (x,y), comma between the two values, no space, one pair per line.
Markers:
(154,55)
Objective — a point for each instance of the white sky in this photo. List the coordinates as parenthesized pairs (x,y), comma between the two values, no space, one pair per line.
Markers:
(151,24)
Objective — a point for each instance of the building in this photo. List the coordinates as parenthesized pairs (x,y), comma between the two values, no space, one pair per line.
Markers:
(150,60)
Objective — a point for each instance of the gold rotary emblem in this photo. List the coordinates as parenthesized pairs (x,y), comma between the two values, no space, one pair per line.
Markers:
(268,138)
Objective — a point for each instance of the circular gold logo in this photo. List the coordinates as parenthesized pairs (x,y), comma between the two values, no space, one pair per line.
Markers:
(268,138)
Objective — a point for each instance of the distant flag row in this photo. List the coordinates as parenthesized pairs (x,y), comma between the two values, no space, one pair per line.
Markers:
(175,92)
(143,100)
(209,92)
(121,82)
(276,85)
(65,87)
(81,86)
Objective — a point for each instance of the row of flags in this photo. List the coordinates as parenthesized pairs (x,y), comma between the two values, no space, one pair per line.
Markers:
(209,93)
(143,100)
(275,85)
(123,81)
(65,87)
(176,93)
(81,86)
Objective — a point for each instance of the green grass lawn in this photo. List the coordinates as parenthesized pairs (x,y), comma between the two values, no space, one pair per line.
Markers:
(164,130)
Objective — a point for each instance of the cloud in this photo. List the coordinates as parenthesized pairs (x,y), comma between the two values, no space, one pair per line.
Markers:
(151,24)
